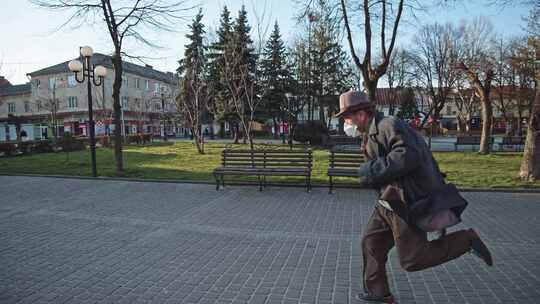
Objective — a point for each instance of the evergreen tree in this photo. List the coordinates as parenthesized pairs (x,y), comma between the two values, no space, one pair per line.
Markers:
(330,74)
(408,107)
(193,65)
(220,101)
(240,63)
(193,98)
(276,78)
(241,44)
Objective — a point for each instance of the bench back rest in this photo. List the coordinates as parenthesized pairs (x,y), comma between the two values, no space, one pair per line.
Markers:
(513,140)
(470,140)
(344,140)
(346,159)
(267,158)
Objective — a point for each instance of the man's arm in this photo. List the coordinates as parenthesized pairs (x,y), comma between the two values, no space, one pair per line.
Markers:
(402,157)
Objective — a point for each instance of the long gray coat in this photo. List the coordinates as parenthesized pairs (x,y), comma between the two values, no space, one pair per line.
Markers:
(401,166)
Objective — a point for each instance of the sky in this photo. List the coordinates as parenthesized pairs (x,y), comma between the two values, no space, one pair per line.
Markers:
(30,38)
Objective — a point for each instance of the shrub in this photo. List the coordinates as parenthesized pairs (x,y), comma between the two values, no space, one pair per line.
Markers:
(312,132)
(8,148)
(70,143)
(42,146)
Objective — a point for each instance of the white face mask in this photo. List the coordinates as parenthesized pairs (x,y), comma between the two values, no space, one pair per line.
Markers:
(351,130)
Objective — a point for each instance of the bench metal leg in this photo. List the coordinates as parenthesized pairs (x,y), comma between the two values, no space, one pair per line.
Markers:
(260,182)
(308,183)
(222,181)
(331,184)
(216,176)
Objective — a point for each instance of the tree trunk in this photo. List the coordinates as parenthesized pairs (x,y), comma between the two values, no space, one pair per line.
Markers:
(487,120)
(236,132)
(276,128)
(117,113)
(371,88)
(197,138)
(459,125)
(530,165)
(519,126)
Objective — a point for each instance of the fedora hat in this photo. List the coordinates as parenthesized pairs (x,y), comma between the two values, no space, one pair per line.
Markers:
(353,101)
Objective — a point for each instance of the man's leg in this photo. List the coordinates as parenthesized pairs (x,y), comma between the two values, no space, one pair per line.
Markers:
(416,252)
(376,243)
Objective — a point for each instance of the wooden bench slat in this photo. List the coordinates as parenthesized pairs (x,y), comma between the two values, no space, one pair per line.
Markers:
(344,163)
(265,163)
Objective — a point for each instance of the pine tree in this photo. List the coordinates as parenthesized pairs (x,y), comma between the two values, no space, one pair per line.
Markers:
(408,107)
(193,98)
(241,43)
(240,63)
(193,65)
(276,78)
(330,75)
(220,101)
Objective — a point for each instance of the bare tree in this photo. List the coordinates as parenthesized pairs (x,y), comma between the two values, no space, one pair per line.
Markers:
(504,82)
(466,102)
(191,105)
(435,56)
(530,166)
(242,88)
(373,11)
(123,20)
(398,77)
(47,100)
(476,62)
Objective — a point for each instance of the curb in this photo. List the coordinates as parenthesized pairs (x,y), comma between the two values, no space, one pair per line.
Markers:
(248,183)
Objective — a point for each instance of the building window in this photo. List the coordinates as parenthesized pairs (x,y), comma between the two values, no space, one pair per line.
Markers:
(157,106)
(125,81)
(137,83)
(125,102)
(448,110)
(72,102)
(11,107)
(156,87)
(26,106)
(52,83)
(71,81)
(38,105)
(147,85)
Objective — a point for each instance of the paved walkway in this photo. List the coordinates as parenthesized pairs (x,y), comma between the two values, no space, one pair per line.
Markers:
(82,241)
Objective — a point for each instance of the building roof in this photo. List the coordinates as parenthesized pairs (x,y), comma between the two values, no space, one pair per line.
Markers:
(105,60)
(4,82)
(19,89)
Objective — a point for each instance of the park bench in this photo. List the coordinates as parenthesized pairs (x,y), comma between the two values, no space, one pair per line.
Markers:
(343,163)
(341,140)
(470,141)
(263,163)
(512,141)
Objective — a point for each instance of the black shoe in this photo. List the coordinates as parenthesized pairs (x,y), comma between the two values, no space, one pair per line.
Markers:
(364,296)
(479,248)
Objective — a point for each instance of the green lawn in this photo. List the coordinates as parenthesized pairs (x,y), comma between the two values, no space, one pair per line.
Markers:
(180,161)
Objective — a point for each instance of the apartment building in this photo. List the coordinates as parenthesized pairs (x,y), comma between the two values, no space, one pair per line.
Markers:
(53,99)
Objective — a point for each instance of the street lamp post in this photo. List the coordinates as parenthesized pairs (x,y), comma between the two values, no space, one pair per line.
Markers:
(88,72)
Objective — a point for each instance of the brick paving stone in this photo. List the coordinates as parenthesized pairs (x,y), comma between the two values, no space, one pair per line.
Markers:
(84,241)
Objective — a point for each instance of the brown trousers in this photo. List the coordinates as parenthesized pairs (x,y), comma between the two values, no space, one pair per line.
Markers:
(385,229)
